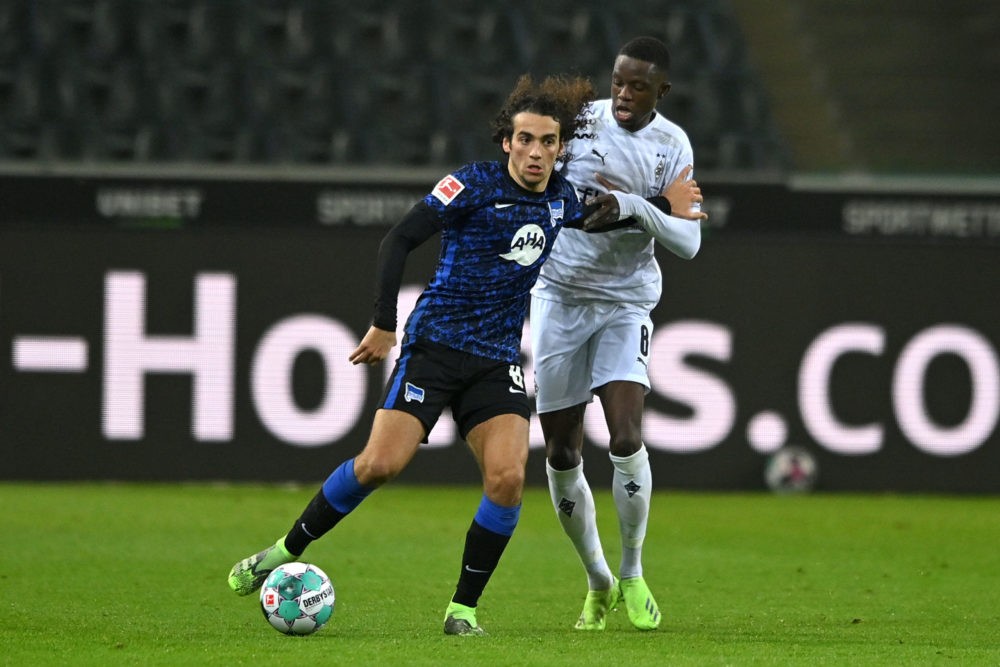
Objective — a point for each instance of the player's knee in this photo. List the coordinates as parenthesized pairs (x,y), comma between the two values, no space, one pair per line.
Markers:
(375,470)
(625,444)
(562,457)
(505,485)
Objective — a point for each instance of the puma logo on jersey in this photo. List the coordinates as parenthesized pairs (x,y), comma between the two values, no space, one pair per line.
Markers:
(526,246)
(594,151)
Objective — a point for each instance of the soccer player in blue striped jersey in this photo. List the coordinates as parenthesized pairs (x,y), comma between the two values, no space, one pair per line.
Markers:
(461,349)
(590,317)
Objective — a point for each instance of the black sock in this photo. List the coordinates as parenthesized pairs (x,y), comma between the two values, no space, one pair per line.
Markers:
(315,521)
(483,549)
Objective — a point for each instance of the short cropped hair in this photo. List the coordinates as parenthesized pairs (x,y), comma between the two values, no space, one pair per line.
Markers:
(650,50)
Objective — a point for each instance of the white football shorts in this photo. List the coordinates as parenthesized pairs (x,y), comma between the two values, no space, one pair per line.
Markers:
(577,348)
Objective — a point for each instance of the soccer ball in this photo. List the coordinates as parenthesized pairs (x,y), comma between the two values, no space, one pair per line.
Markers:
(297,598)
(791,470)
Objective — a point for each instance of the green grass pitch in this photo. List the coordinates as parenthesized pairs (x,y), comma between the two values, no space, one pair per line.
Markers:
(99,574)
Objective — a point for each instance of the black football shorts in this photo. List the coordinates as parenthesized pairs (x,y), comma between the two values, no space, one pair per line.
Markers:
(429,377)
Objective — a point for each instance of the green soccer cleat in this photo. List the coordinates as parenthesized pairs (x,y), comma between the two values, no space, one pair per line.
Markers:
(639,604)
(248,575)
(461,620)
(596,607)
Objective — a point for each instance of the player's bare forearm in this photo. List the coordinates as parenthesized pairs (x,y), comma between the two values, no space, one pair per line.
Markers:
(374,347)
(684,194)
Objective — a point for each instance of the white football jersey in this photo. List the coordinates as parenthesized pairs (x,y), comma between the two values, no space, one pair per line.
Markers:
(618,265)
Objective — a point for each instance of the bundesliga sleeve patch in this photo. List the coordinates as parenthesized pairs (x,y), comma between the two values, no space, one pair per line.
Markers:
(447,189)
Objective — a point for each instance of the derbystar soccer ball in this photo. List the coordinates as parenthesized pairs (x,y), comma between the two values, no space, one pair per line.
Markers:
(791,470)
(297,598)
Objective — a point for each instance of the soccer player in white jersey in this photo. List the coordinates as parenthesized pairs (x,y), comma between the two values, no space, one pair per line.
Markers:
(590,317)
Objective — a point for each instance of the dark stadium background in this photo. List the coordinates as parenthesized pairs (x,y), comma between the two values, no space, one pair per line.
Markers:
(848,153)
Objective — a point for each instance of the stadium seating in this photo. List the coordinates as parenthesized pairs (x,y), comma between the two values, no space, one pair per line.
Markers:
(336,82)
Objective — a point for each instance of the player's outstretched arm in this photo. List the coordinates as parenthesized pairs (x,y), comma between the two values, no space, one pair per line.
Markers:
(678,232)
(683,194)
(416,227)
(681,236)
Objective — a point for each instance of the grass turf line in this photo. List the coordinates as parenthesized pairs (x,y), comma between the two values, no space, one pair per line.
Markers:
(135,574)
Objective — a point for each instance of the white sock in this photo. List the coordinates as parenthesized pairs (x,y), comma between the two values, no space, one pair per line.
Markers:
(574,504)
(632,488)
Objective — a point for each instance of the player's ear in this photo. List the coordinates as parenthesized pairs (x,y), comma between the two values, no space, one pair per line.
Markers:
(664,89)
(505,145)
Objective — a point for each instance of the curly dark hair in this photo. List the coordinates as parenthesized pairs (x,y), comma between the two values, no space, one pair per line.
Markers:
(561,97)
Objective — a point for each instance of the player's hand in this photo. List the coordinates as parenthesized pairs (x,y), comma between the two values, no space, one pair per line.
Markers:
(683,194)
(607,213)
(374,347)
